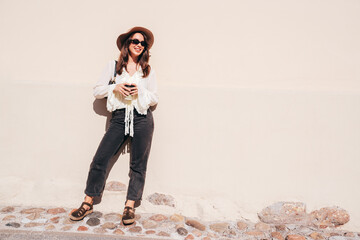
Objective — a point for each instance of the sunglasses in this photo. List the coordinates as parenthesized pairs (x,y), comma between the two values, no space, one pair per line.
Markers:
(136,42)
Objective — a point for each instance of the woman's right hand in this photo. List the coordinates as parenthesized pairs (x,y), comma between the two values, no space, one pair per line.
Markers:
(122,89)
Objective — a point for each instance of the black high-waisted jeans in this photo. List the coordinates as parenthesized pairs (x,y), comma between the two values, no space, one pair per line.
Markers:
(113,139)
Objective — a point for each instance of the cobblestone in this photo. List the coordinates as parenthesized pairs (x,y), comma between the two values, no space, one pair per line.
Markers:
(173,226)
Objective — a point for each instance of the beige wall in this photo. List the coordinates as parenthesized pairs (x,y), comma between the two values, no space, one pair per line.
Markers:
(259,102)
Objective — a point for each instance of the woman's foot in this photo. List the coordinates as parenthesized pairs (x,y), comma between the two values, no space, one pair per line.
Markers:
(129,212)
(128,215)
(85,209)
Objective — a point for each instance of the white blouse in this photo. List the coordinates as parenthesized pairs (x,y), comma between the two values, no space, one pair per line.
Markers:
(147,93)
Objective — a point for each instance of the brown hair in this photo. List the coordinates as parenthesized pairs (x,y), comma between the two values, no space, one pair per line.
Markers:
(124,57)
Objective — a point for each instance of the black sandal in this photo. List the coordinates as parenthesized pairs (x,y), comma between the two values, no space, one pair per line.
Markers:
(81,212)
(128,215)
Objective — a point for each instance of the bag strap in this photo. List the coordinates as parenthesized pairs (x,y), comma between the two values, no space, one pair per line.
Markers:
(112,80)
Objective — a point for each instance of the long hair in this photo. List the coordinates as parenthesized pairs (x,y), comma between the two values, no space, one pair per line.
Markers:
(143,58)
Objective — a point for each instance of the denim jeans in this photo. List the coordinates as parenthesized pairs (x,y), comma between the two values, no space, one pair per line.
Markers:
(113,139)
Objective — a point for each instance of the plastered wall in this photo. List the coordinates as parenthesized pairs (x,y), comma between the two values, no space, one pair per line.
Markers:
(259,102)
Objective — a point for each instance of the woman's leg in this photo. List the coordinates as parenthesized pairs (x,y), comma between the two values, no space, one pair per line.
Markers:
(111,142)
(140,151)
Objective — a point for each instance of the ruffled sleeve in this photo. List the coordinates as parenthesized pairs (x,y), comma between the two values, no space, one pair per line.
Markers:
(101,87)
(114,99)
(147,93)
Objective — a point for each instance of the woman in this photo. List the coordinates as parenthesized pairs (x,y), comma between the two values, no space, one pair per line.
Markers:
(129,100)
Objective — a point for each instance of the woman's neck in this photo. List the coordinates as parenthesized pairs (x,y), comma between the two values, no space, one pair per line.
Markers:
(133,60)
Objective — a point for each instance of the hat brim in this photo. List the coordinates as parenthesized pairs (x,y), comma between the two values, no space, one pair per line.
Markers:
(122,38)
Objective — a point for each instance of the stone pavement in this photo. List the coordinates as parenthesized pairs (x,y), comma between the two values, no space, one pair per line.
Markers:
(35,235)
(280,221)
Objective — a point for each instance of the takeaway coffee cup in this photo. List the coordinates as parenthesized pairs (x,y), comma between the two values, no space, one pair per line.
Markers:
(129,97)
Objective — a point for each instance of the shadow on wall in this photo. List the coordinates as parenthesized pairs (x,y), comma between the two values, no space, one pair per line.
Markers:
(99,107)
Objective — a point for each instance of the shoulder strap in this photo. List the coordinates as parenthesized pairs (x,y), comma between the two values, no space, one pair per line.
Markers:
(112,80)
(115,69)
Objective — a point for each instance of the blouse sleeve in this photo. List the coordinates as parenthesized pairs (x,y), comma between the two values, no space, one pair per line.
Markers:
(101,87)
(148,96)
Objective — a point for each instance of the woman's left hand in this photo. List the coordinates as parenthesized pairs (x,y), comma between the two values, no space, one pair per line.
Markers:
(134,89)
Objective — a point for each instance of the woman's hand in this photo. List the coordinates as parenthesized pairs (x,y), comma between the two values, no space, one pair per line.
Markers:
(122,89)
(134,89)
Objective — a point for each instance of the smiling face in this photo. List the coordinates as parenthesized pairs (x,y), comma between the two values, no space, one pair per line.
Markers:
(136,49)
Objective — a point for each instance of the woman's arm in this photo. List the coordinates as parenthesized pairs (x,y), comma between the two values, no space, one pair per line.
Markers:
(101,87)
(148,96)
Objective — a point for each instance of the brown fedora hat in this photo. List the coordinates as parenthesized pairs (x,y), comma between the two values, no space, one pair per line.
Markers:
(122,38)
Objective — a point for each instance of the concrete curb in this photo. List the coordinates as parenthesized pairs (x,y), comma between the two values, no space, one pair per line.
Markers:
(38,235)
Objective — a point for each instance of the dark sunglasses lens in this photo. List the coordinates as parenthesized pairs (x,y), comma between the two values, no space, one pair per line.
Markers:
(135,41)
